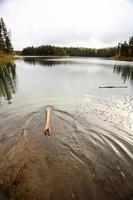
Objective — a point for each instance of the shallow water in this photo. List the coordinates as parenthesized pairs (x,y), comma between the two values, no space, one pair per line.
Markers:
(90,152)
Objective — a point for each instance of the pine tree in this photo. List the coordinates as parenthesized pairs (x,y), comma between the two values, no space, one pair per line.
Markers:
(8,43)
(5,41)
(131,46)
(2,43)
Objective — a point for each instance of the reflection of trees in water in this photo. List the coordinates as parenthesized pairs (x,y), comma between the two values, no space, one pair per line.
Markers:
(7,81)
(45,62)
(126,72)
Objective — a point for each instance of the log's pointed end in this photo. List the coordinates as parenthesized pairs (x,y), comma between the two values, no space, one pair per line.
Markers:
(47,132)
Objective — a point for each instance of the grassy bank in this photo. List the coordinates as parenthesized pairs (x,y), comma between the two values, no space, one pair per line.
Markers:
(5,58)
(123,58)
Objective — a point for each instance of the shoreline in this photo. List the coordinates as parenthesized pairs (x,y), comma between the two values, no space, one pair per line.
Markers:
(122,58)
(117,58)
(5,58)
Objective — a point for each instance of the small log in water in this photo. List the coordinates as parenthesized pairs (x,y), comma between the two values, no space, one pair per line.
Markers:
(113,87)
(47,127)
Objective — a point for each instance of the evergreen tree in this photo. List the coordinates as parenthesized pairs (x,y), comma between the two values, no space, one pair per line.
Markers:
(2,44)
(5,41)
(131,46)
(8,43)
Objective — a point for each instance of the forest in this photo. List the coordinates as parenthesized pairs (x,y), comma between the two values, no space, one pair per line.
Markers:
(49,50)
(121,50)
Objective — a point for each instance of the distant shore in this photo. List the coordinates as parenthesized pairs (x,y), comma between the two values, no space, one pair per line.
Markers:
(5,58)
(122,58)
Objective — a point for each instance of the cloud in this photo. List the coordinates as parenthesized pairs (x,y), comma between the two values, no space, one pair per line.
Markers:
(89,23)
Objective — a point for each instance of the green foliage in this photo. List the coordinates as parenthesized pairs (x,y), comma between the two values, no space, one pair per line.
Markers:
(5,41)
(48,50)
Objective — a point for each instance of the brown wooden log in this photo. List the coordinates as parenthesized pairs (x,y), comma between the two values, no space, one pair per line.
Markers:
(47,126)
(113,87)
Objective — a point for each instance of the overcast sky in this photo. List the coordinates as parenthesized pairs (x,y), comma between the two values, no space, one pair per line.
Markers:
(88,23)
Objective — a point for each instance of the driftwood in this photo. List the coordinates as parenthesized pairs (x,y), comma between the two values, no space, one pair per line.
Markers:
(113,87)
(47,127)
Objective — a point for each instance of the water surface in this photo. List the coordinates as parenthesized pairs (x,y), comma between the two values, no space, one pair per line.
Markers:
(89,155)
(36,78)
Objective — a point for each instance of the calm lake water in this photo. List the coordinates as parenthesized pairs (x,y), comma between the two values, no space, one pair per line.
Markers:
(33,80)
(92,141)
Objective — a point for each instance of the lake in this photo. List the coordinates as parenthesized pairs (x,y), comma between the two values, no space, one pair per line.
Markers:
(36,79)
(90,150)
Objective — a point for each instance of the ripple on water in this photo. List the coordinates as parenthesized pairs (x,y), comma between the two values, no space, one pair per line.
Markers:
(87,157)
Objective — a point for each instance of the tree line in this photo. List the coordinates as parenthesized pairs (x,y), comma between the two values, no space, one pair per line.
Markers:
(5,38)
(49,50)
(122,49)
